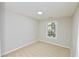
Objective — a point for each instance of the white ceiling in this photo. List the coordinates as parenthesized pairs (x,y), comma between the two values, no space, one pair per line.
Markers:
(49,9)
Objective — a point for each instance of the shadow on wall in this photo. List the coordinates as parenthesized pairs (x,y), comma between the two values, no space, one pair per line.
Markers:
(2,17)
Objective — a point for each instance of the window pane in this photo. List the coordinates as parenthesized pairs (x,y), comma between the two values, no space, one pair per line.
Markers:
(52,29)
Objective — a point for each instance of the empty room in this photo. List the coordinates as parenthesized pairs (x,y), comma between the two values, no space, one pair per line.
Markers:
(39,29)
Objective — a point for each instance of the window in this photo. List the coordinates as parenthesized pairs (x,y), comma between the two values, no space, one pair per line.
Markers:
(52,29)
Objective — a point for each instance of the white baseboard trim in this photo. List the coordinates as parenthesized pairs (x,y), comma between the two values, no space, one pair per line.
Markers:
(55,44)
(19,47)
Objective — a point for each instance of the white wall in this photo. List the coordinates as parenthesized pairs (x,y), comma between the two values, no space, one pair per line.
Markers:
(75,43)
(19,30)
(1,24)
(64,32)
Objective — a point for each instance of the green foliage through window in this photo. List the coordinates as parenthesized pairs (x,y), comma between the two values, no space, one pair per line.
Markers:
(52,29)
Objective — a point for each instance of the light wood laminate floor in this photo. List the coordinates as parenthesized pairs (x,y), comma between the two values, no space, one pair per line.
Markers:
(40,49)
